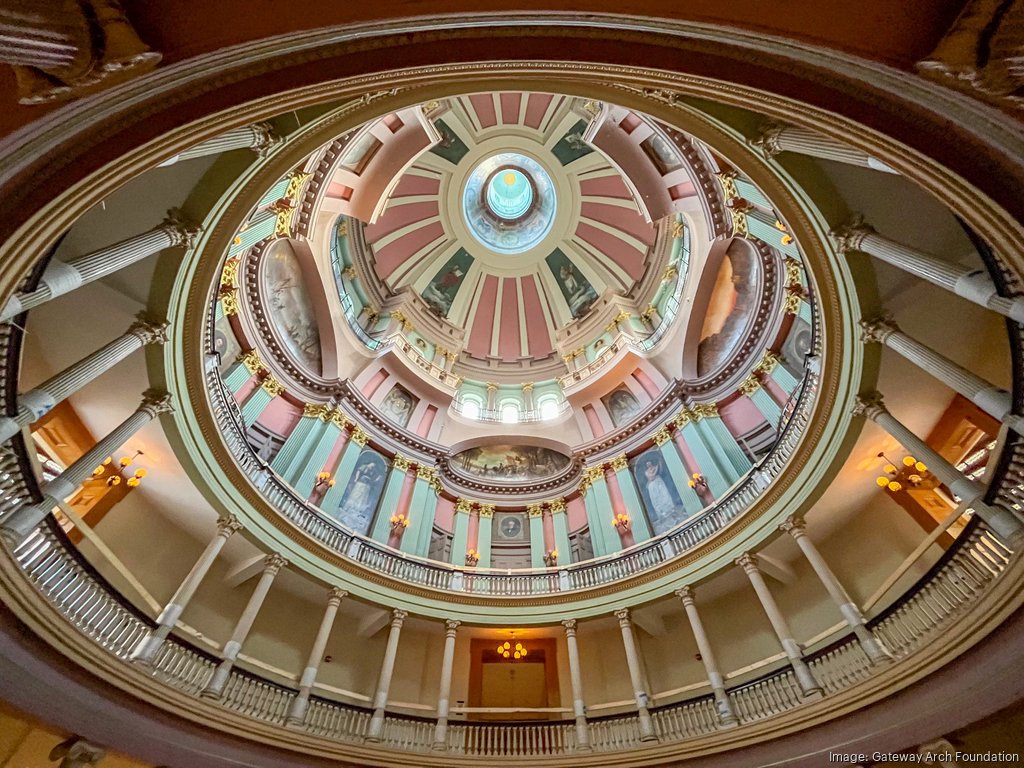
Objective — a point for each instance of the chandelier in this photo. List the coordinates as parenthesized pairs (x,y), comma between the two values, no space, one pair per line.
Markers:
(912,466)
(511,649)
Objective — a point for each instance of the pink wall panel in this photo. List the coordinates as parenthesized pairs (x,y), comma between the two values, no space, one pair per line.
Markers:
(483,322)
(509,336)
(483,105)
(394,254)
(510,108)
(410,185)
(423,430)
(247,389)
(371,386)
(627,257)
(640,375)
(536,108)
(538,339)
(445,513)
(576,509)
(606,186)
(280,416)
(594,420)
(335,455)
(741,415)
(627,220)
(399,216)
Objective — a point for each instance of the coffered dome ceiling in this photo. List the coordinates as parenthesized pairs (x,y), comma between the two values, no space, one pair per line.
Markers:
(511,216)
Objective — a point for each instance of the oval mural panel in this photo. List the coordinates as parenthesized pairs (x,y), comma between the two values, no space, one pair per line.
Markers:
(510,463)
(290,307)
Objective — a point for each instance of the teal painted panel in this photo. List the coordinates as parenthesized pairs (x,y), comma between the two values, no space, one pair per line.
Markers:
(571,147)
(451,147)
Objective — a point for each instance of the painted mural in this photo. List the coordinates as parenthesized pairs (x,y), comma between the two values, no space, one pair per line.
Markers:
(225,345)
(362,494)
(511,463)
(398,405)
(577,291)
(571,146)
(731,309)
(290,308)
(661,499)
(440,292)
(450,147)
(622,406)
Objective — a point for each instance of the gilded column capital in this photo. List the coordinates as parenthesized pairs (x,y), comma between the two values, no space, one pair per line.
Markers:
(534,510)
(273,563)
(684,417)
(491,387)
(750,385)
(670,273)
(870,405)
(296,179)
(556,506)
(349,272)
(359,436)
(678,230)
(850,236)
(401,463)
(705,411)
(528,387)
(252,361)
(423,472)
(619,462)
(315,410)
(182,232)
(272,386)
(662,436)
(229,301)
(463,505)
(791,302)
(486,510)
(768,362)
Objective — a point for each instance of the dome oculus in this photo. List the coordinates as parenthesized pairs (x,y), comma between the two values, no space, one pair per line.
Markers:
(509,203)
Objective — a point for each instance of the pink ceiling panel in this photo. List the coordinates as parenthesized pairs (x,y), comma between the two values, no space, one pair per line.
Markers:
(510,108)
(483,105)
(626,219)
(536,108)
(509,335)
(538,339)
(397,252)
(627,257)
(400,216)
(483,320)
(606,186)
(410,185)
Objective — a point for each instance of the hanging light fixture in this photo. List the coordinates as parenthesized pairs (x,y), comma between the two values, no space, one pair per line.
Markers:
(511,649)
(889,480)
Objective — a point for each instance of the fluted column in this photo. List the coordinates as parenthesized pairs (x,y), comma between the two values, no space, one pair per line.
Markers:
(492,396)
(299,705)
(45,34)
(445,690)
(804,678)
(261,138)
(994,401)
(387,669)
(775,137)
(272,565)
(39,401)
(636,676)
(20,523)
(576,680)
(797,528)
(63,277)
(975,285)
(726,714)
(1002,521)
(146,650)
(528,396)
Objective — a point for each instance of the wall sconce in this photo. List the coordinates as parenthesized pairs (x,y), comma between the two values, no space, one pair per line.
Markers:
(323,482)
(551,558)
(472,558)
(623,523)
(698,483)
(399,523)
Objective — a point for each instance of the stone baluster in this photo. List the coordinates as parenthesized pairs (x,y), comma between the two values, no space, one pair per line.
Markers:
(796,528)
(61,277)
(774,138)
(387,669)
(726,714)
(271,567)
(636,677)
(299,705)
(576,680)
(147,649)
(22,521)
(40,400)
(1002,521)
(445,689)
(805,679)
(975,285)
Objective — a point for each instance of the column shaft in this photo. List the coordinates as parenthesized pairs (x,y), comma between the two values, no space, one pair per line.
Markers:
(387,669)
(260,137)
(636,677)
(794,651)
(146,650)
(214,689)
(576,680)
(445,689)
(776,138)
(299,705)
(726,714)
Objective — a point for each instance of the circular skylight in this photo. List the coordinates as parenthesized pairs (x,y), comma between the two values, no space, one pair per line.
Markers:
(509,202)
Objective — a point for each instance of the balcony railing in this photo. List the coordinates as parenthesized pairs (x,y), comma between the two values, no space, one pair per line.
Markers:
(504,582)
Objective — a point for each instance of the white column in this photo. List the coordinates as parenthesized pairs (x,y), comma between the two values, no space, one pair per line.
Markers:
(20,523)
(775,137)
(387,669)
(804,678)
(994,401)
(726,714)
(272,566)
(1002,521)
(636,676)
(445,691)
(576,680)
(975,285)
(43,34)
(146,650)
(299,705)
(39,401)
(850,611)
(63,277)
(261,138)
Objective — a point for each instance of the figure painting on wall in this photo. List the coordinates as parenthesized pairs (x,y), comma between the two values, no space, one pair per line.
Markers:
(398,405)
(440,292)
(622,406)
(511,462)
(578,293)
(289,306)
(731,310)
(362,494)
(665,509)
(225,345)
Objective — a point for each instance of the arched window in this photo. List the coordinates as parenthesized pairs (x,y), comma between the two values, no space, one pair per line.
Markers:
(471,407)
(509,413)
(548,408)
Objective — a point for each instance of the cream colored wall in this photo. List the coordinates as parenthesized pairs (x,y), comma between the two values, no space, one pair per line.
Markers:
(27,744)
